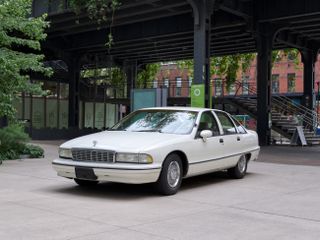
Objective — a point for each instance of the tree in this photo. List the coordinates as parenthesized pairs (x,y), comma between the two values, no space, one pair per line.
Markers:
(20,37)
(147,75)
(228,66)
(113,77)
(225,66)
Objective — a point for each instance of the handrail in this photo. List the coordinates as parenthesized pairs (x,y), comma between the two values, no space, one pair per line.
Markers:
(309,118)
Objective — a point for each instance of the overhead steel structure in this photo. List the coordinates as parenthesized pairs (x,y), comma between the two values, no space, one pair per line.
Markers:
(147,31)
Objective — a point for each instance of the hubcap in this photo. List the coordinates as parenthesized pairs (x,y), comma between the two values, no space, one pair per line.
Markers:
(242,164)
(173,175)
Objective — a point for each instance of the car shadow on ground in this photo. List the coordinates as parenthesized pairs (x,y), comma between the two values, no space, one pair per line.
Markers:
(209,179)
(121,191)
(116,191)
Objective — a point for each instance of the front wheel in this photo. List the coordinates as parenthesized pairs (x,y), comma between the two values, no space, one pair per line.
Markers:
(240,170)
(85,183)
(170,178)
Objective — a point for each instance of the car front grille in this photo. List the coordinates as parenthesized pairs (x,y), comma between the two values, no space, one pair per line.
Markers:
(92,155)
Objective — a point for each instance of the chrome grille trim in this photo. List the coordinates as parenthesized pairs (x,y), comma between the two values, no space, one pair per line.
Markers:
(93,155)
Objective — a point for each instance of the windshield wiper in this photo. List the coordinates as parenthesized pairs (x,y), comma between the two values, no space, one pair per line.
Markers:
(149,130)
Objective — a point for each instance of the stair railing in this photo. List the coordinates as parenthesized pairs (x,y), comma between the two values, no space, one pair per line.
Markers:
(285,105)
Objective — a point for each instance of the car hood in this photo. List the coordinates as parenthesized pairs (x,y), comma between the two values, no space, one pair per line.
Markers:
(122,141)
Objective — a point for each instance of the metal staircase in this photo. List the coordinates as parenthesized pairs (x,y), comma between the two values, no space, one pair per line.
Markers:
(286,115)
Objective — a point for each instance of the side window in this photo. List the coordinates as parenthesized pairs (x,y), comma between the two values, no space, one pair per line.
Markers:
(240,128)
(227,124)
(208,122)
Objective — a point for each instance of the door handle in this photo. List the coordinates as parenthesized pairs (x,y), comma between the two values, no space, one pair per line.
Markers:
(221,140)
(238,138)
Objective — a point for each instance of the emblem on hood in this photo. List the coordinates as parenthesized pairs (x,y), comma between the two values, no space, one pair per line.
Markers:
(94,143)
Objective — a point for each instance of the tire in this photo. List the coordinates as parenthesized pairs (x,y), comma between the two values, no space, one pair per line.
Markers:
(170,178)
(240,170)
(85,183)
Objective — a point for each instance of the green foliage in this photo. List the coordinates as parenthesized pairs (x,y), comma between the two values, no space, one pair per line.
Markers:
(13,134)
(186,64)
(33,151)
(291,54)
(19,31)
(13,143)
(101,11)
(9,155)
(226,66)
(98,10)
(118,81)
(229,66)
(113,77)
(146,76)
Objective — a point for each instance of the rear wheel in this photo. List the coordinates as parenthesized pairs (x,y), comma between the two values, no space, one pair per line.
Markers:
(170,178)
(240,170)
(85,183)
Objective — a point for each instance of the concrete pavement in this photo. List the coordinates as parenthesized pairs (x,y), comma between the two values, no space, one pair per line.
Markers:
(274,201)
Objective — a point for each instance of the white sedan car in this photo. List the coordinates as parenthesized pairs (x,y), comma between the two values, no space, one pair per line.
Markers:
(160,145)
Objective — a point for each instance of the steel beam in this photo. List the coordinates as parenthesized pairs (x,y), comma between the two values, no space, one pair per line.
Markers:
(275,10)
(237,8)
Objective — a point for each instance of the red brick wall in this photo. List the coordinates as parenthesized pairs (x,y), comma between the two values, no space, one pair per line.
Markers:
(283,68)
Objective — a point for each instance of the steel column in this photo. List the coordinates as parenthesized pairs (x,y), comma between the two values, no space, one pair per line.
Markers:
(202,11)
(264,65)
(309,57)
(130,68)
(74,78)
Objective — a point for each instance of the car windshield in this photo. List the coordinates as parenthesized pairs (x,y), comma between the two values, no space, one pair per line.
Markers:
(164,121)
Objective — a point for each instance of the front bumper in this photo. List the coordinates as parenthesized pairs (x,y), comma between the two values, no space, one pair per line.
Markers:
(115,172)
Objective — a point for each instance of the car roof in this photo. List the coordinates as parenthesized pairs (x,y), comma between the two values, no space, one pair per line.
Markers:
(195,109)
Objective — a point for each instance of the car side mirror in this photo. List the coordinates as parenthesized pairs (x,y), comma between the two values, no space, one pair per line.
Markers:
(204,134)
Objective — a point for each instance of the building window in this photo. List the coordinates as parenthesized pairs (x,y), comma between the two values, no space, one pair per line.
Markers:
(291,82)
(190,81)
(189,84)
(166,83)
(64,90)
(245,85)
(155,83)
(275,83)
(178,92)
(178,86)
(217,86)
(49,111)
(178,82)
(51,89)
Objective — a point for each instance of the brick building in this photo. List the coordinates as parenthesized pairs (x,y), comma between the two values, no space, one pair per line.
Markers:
(287,78)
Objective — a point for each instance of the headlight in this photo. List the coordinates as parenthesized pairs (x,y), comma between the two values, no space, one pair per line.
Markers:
(133,158)
(65,153)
